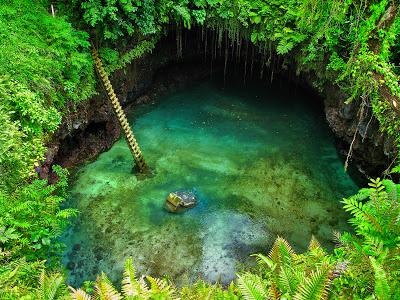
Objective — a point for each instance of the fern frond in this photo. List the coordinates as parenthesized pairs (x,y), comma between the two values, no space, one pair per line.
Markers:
(264,261)
(273,292)
(281,252)
(157,284)
(79,294)
(105,290)
(160,286)
(287,282)
(200,290)
(314,244)
(8,274)
(337,238)
(391,190)
(316,286)
(300,275)
(49,286)
(251,287)
(375,183)
(381,288)
(131,286)
(361,212)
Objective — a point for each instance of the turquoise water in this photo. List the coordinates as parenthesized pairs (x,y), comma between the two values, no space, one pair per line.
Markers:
(262,162)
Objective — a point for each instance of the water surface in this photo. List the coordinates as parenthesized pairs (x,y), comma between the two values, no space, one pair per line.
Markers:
(262,162)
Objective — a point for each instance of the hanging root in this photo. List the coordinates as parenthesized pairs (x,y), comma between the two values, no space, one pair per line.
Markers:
(366,128)
(179,39)
(361,118)
(346,164)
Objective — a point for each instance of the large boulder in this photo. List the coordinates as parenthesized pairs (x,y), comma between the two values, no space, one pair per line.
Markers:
(180,200)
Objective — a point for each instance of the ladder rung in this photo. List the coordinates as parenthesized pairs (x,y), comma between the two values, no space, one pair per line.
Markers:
(132,143)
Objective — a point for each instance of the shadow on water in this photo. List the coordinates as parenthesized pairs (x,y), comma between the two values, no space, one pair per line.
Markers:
(262,161)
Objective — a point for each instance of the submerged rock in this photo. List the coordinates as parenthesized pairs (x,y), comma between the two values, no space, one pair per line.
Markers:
(180,200)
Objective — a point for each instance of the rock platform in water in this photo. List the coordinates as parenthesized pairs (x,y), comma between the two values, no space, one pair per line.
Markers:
(180,200)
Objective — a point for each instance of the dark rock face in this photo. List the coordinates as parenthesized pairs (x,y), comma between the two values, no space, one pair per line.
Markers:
(180,200)
(91,127)
(372,151)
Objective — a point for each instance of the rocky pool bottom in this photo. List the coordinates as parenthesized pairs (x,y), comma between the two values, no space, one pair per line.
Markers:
(261,161)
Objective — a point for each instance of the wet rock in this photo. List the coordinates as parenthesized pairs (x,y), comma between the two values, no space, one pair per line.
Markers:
(70,265)
(143,99)
(180,200)
(372,151)
(76,247)
(76,125)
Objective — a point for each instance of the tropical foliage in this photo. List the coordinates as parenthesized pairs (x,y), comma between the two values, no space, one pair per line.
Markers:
(374,253)
(43,68)
(363,266)
(46,68)
(351,43)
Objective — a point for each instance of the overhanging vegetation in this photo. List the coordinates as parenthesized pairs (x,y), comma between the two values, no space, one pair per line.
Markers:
(46,68)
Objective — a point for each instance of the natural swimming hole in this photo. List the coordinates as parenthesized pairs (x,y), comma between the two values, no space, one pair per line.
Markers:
(262,161)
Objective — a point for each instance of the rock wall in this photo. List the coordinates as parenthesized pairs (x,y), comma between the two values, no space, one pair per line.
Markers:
(91,127)
(372,151)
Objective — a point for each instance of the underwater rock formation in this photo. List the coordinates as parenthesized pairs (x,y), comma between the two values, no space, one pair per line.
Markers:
(180,200)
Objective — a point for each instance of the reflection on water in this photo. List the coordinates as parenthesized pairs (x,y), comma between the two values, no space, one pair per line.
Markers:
(262,162)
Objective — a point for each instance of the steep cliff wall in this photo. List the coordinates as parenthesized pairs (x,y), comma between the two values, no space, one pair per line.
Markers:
(91,126)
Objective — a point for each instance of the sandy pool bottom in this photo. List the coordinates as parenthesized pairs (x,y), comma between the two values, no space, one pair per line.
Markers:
(262,162)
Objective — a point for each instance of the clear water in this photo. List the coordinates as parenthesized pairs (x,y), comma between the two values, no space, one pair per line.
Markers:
(262,162)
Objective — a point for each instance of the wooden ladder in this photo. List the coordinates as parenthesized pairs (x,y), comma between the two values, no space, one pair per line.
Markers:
(123,121)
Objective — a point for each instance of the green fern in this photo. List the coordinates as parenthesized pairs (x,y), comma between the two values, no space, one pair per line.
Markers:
(314,244)
(79,294)
(252,287)
(131,286)
(161,288)
(281,252)
(286,281)
(381,287)
(363,216)
(264,261)
(273,292)
(104,289)
(50,286)
(315,286)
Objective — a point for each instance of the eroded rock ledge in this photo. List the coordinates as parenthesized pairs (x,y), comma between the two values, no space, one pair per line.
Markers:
(91,127)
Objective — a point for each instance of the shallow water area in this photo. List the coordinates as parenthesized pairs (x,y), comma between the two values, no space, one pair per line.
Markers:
(262,162)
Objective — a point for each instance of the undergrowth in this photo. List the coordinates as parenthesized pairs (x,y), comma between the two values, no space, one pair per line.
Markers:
(45,68)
